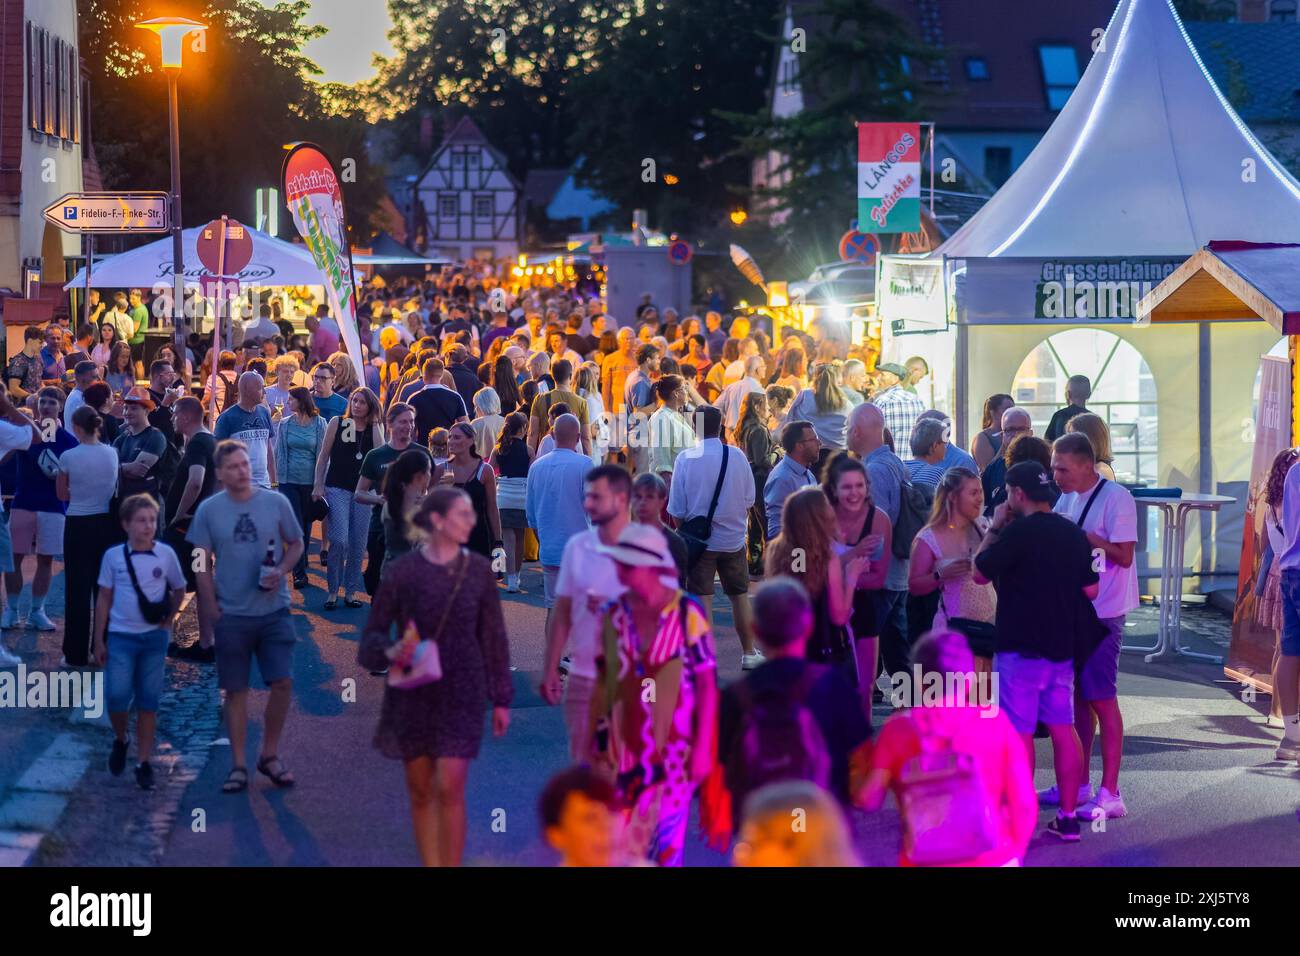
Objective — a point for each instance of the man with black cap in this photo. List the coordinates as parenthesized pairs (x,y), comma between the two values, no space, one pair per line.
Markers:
(1041,565)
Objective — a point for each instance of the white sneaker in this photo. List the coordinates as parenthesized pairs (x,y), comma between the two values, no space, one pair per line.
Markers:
(750,661)
(512,583)
(1288,749)
(10,620)
(1112,804)
(1051,797)
(8,658)
(41,621)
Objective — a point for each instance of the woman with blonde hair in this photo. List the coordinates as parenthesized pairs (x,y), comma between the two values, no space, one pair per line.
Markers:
(826,406)
(805,550)
(487,420)
(767,838)
(1098,432)
(345,373)
(942,560)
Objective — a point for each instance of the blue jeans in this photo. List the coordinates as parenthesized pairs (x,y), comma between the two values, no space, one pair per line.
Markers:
(135,668)
(1291,613)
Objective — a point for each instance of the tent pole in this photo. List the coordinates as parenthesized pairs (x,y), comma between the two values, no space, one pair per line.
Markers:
(1205,428)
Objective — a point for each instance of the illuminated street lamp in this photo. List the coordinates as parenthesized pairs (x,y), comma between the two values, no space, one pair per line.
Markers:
(172,32)
(738,216)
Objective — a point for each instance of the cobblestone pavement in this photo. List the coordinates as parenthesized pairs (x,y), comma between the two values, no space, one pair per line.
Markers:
(107,820)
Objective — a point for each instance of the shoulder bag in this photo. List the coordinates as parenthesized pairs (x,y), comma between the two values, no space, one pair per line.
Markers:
(1091,632)
(155,612)
(414,660)
(697,531)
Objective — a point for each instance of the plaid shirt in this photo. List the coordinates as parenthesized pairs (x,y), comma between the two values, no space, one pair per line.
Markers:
(901,409)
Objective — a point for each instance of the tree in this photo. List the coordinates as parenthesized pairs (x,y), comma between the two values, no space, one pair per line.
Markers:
(653,107)
(857,61)
(246,89)
(508,65)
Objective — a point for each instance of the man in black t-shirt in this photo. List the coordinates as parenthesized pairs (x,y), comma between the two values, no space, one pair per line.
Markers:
(436,405)
(1042,567)
(1078,389)
(196,476)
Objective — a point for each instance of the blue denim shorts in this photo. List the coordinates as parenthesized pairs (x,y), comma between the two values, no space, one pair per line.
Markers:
(135,669)
(6,545)
(239,638)
(1031,689)
(1099,678)
(1291,613)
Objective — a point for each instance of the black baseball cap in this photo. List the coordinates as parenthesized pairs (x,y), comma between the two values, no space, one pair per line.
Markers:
(1033,479)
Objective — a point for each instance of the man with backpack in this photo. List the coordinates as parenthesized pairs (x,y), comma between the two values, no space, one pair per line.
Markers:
(908,507)
(788,719)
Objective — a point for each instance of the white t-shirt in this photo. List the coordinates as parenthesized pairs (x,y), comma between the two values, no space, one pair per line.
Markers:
(585,573)
(92,472)
(14,437)
(1113,517)
(75,400)
(158,571)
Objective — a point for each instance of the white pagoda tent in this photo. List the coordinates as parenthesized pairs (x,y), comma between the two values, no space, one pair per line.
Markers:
(1146,164)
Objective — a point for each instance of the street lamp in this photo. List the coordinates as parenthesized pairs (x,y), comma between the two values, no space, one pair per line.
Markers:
(172,32)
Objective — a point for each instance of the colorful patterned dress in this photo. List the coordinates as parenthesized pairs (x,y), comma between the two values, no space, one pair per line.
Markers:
(652,723)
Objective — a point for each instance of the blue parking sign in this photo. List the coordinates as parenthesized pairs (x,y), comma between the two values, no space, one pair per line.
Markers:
(69,212)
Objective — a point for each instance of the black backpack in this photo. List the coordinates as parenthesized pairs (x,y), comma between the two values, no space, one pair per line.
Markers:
(914,503)
(779,738)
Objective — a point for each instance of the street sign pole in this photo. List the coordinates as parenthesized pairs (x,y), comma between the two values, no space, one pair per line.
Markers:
(216,321)
(85,292)
(178,251)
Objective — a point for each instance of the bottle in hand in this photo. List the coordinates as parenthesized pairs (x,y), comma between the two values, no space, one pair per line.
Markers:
(267,570)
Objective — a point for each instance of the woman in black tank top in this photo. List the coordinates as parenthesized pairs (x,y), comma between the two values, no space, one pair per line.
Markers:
(471,473)
(347,440)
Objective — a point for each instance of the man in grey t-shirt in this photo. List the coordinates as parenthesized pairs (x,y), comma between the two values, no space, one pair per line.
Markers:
(235,528)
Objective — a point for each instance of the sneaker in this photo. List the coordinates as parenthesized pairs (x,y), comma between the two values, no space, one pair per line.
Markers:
(379,673)
(144,776)
(1065,828)
(117,759)
(299,581)
(10,618)
(1287,749)
(1111,804)
(8,658)
(512,584)
(750,661)
(1051,797)
(566,664)
(40,620)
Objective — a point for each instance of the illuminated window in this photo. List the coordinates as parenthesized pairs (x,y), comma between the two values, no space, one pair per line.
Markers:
(1060,73)
(1123,393)
(977,68)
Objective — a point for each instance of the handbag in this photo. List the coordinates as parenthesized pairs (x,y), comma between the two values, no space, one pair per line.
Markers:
(697,531)
(155,612)
(414,660)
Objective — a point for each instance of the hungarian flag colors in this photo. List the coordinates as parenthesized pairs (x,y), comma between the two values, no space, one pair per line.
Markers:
(889,177)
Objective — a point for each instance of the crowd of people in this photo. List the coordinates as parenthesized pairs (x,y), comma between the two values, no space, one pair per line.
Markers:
(640,464)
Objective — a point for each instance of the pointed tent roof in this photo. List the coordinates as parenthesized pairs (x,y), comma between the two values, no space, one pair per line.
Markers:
(1146,159)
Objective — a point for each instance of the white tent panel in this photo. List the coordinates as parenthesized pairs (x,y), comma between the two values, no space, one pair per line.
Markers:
(1146,159)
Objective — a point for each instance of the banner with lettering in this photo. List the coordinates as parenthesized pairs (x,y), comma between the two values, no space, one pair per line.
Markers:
(315,200)
(1250,654)
(889,177)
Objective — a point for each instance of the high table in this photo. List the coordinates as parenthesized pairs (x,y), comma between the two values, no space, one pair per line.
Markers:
(1174,512)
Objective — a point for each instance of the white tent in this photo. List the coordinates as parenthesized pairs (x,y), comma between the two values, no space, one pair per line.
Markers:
(274,263)
(1146,164)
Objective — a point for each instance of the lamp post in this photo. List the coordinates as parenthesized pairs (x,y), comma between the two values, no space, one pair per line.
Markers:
(172,32)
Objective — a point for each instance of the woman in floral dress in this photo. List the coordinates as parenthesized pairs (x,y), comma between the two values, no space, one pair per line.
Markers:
(449,594)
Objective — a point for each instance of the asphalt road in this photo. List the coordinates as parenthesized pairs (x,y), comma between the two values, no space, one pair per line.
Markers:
(1201,786)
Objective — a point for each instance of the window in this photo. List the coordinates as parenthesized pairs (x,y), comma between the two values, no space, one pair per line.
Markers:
(472,159)
(1282,11)
(789,80)
(47,73)
(997,164)
(447,207)
(74,90)
(34,81)
(483,207)
(457,160)
(1060,73)
(977,68)
(1123,393)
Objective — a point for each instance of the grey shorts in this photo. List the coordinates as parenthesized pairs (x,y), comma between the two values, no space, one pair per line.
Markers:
(1031,689)
(239,637)
(1099,679)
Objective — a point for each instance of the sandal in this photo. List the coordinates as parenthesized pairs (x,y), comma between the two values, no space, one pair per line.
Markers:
(282,777)
(331,604)
(236,781)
